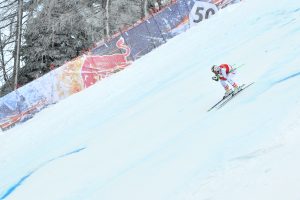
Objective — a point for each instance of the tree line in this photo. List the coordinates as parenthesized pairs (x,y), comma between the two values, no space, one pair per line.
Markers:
(39,35)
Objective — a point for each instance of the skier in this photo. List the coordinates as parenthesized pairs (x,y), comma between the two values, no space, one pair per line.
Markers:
(225,73)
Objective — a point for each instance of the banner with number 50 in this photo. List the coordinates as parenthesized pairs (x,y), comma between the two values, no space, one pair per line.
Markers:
(201,11)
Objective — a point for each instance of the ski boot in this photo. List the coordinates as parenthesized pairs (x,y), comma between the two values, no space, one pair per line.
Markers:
(227,93)
(236,88)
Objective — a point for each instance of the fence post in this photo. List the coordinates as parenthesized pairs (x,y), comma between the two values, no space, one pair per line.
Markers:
(18,101)
(123,38)
(52,86)
(182,16)
(126,42)
(159,28)
(188,10)
(146,24)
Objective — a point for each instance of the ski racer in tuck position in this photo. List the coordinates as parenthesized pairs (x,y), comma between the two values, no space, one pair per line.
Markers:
(225,74)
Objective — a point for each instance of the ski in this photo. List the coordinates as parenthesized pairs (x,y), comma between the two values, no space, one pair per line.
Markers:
(223,99)
(233,95)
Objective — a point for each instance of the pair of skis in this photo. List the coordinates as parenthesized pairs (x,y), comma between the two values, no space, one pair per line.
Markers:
(225,100)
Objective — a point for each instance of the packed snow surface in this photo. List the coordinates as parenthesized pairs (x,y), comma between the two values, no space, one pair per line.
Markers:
(145,133)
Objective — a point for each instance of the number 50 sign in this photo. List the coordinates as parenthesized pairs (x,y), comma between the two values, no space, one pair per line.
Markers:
(201,11)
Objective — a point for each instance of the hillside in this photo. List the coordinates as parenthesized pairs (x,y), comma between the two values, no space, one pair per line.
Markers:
(145,133)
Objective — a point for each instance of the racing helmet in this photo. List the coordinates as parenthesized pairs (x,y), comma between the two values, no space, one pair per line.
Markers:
(215,68)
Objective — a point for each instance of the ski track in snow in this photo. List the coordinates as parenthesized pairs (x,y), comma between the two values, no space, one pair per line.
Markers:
(24,178)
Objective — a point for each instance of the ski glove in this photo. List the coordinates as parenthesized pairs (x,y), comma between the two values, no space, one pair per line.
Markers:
(215,78)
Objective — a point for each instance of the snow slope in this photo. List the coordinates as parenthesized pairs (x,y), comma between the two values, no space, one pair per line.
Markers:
(144,133)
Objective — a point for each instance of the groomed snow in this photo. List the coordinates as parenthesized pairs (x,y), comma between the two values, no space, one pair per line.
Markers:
(145,133)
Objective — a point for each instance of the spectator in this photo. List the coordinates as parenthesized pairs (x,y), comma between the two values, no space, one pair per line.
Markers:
(153,6)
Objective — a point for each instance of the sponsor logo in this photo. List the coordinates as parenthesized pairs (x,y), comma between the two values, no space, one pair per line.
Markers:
(97,67)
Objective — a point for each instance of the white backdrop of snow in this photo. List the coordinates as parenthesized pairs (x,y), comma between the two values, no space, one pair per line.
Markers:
(144,133)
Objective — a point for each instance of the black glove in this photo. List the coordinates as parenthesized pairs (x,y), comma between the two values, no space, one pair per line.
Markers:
(215,78)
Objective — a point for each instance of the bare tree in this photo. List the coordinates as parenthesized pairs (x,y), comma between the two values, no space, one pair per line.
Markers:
(144,8)
(18,43)
(106,7)
(2,59)
(7,33)
(10,41)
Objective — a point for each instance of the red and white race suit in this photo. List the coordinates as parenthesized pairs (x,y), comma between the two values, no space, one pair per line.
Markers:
(226,74)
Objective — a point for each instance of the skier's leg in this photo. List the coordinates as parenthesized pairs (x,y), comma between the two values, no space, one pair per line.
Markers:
(224,84)
(226,88)
(231,80)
